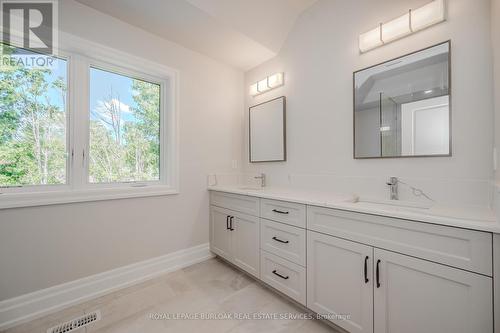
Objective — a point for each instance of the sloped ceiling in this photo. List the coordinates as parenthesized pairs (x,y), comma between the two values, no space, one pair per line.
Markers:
(241,33)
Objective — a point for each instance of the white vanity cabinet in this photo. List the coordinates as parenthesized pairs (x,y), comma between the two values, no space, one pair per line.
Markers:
(340,282)
(283,247)
(414,296)
(285,212)
(408,267)
(283,275)
(283,240)
(365,273)
(398,293)
(235,236)
(245,242)
(220,234)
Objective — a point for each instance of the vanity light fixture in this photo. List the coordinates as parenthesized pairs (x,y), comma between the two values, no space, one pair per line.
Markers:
(413,21)
(385,129)
(264,85)
(396,29)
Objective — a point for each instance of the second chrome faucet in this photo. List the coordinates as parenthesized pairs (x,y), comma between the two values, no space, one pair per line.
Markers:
(393,187)
(262,178)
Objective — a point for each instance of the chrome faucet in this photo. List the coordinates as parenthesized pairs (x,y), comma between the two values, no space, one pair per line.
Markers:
(262,178)
(393,187)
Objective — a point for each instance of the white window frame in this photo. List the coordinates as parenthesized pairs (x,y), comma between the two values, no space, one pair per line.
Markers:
(81,55)
(162,82)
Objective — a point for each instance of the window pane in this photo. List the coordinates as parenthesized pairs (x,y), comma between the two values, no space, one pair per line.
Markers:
(124,128)
(32,120)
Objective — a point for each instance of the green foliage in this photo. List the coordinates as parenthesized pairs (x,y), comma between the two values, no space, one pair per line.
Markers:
(127,150)
(33,132)
(32,128)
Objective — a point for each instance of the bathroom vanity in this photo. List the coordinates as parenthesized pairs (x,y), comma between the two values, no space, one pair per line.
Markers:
(367,269)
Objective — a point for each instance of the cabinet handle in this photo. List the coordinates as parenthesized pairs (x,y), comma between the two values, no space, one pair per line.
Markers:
(366,269)
(281,276)
(279,211)
(378,273)
(231,223)
(227,222)
(281,241)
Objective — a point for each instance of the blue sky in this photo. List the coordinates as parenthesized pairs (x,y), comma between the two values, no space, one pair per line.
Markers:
(103,83)
(57,71)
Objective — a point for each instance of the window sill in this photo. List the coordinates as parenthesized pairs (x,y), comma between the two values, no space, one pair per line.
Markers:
(16,200)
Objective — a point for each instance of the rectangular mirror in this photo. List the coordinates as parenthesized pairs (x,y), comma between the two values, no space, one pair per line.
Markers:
(402,107)
(267,131)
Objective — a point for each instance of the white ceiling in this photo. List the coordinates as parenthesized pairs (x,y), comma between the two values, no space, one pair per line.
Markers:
(241,33)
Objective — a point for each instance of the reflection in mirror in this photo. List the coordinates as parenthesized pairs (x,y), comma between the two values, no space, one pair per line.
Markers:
(267,131)
(402,107)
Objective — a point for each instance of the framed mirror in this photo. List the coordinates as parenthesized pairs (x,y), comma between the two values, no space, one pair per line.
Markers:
(402,107)
(267,131)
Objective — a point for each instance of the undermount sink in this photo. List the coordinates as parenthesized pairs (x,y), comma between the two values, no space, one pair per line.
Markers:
(250,188)
(395,205)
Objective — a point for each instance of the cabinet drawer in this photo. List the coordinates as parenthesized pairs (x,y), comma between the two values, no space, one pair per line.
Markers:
(283,275)
(466,249)
(285,212)
(241,203)
(283,240)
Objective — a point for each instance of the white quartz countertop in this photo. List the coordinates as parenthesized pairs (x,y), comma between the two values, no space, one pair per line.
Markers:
(468,217)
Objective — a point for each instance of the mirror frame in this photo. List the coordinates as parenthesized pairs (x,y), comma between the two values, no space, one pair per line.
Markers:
(449,111)
(250,131)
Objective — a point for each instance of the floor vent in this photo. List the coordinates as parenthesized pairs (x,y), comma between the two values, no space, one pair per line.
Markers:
(76,323)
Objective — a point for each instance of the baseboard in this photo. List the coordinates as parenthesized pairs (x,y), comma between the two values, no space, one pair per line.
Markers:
(27,307)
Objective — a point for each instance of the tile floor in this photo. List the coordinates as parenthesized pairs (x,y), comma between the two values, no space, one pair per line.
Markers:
(211,287)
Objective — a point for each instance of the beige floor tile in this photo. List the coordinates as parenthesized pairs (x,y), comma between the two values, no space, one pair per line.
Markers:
(129,304)
(43,324)
(212,287)
(252,298)
(285,317)
(315,326)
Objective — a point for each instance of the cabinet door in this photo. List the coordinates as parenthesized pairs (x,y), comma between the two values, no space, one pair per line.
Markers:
(220,235)
(416,296)
(336,281)
(246,242)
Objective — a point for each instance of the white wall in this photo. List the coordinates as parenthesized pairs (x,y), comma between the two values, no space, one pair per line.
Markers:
(495,38)
(319,58)
(45,246)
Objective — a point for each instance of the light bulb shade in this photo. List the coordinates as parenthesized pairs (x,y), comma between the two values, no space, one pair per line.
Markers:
(396,28)
(253,89)
(370,40)
(385,129)
(262,85)
(270,82)
(415,20)
(275,80)
(427,15)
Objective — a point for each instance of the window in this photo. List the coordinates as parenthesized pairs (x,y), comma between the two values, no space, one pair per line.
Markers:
(33,140)
(83,129)
(124,128)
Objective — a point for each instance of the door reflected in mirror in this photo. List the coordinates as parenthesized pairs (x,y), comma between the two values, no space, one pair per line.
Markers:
(402,107)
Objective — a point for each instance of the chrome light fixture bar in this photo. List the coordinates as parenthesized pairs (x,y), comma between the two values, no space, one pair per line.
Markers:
(413,21)
(264,85)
